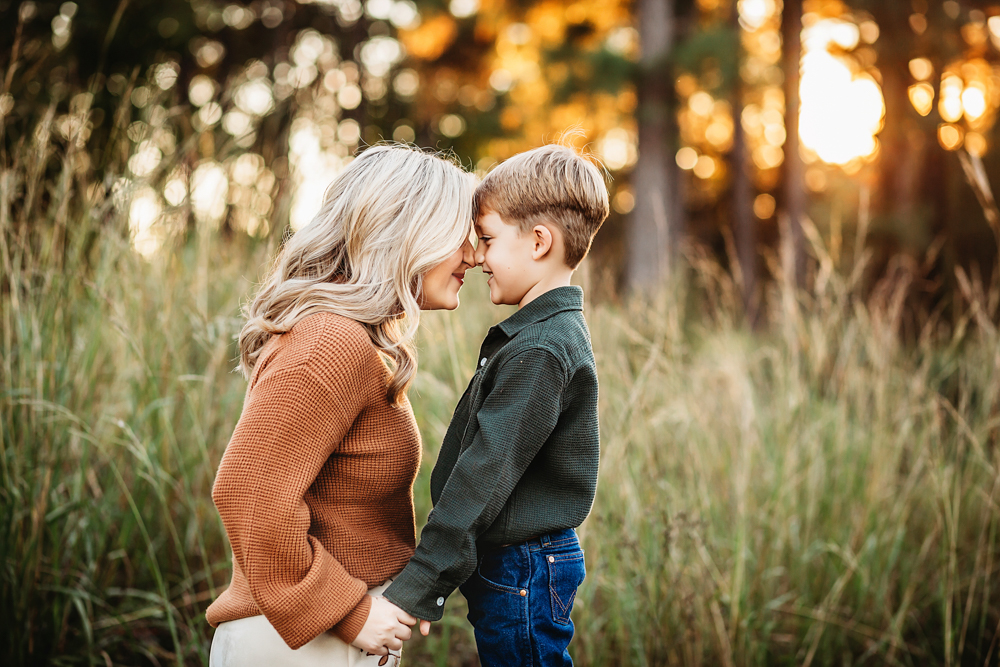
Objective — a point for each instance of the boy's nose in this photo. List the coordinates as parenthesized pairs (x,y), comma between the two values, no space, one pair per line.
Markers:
(480,253)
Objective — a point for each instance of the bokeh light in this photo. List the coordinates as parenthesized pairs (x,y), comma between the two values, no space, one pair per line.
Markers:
(764,206)
(618,149)
(951,136)
(255,97)
(976,144)
(451,125)
(921,69)
(463,8)
(687,158)
(922,98)
(201,90)
(143,212)
(209,187)
(624,201)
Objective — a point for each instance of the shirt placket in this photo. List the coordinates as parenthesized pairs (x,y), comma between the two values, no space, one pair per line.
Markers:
(494,341)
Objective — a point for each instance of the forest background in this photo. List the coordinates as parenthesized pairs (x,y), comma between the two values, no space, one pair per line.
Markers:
(794,303)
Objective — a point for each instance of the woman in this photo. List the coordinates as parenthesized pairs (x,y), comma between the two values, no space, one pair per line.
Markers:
(315,487)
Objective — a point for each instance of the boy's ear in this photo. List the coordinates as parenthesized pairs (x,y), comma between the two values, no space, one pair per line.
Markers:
(542,238)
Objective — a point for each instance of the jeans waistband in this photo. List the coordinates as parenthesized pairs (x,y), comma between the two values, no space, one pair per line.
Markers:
(554,539)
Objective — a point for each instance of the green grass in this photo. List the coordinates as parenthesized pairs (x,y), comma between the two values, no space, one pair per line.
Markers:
(818,493)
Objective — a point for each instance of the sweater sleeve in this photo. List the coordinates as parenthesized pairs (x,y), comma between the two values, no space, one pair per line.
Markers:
(291,424)
(515,421)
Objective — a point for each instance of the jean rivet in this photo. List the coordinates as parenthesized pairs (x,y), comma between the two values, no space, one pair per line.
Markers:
(523,592)
(552,559)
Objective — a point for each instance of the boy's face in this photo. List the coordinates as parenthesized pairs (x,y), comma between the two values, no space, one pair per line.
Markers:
(505,254)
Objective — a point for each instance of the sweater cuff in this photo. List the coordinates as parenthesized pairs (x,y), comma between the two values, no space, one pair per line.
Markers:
(416,593)
(347,628)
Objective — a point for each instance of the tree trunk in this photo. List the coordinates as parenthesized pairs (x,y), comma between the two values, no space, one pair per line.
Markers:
(743,218)
(653,224)
(795,193)
(744,221)
(904,137)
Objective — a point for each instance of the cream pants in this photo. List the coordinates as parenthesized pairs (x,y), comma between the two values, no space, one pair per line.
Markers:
(253,642)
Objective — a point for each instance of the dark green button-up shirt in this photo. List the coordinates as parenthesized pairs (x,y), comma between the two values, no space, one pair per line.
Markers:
(520,457)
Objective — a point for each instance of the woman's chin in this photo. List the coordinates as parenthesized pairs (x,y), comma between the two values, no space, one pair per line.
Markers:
(449,302)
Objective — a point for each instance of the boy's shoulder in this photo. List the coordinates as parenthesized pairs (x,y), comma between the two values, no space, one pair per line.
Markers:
(564,335)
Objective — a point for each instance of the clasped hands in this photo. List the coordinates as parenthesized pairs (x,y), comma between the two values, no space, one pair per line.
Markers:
(386,628)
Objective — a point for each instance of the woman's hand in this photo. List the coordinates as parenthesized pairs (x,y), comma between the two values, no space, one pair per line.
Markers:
(387,627)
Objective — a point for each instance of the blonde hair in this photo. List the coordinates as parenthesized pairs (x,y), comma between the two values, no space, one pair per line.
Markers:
(553,184)
(394,213)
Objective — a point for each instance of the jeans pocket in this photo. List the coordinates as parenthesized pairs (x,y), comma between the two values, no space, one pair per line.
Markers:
(499,570)
(566,573)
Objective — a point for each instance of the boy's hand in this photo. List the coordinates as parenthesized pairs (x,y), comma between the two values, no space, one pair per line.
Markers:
(425,628)
(387,627)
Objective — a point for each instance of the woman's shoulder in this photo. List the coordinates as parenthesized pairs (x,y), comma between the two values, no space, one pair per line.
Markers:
(324,338)
(332,348)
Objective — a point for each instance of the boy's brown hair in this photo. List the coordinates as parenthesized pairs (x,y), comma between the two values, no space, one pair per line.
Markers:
(548,184)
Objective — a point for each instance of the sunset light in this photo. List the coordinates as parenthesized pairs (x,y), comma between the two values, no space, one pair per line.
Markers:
(842,107)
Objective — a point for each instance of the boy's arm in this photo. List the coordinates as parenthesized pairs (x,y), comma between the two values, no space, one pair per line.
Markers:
(515,420)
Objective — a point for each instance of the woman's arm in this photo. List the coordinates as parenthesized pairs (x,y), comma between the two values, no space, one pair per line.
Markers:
(292,422)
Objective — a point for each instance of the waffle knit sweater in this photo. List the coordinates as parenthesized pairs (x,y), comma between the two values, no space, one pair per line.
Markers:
(315,489)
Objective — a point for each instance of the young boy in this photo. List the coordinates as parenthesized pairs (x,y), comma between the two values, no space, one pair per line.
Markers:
(518,467)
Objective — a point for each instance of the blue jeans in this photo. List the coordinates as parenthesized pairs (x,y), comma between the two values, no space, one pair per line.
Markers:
(520,599)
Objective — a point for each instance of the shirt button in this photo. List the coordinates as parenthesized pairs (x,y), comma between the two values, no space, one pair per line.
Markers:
(523,592)
(440,602)
(552,559)
(482,362)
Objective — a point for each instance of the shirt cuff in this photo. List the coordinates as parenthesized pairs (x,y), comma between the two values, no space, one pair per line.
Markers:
(348,628)
(417,593)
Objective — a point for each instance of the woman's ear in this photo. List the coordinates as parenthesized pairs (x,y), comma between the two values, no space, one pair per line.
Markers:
(542,238)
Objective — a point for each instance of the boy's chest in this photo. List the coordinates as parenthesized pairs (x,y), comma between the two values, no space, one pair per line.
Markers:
(464,424)
(491,357)
(464,420)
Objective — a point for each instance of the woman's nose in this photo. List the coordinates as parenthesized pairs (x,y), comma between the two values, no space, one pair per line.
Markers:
(468,253)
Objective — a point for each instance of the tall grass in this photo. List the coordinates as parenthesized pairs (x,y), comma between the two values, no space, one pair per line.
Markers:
(819,493)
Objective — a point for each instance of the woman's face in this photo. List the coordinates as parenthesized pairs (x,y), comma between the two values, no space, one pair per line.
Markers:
(441,283)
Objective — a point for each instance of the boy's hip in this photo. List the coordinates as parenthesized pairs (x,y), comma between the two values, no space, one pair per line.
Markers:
(521,597)
(549,560)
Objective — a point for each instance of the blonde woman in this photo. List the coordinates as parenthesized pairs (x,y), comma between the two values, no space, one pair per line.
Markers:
(315,487)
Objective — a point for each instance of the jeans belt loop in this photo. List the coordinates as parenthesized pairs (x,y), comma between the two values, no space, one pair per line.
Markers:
(545,540)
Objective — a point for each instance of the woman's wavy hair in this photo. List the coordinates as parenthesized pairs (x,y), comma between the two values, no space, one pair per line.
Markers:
(394,213)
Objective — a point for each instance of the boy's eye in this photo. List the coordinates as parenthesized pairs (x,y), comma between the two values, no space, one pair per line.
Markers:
(485,239)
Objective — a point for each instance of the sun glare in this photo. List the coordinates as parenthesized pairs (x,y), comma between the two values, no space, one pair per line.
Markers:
(314,167)
(842,109)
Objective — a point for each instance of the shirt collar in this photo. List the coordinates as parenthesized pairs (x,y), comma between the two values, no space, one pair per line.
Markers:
(542,308)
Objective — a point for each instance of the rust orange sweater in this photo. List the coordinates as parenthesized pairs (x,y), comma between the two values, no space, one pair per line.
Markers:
(315,489)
